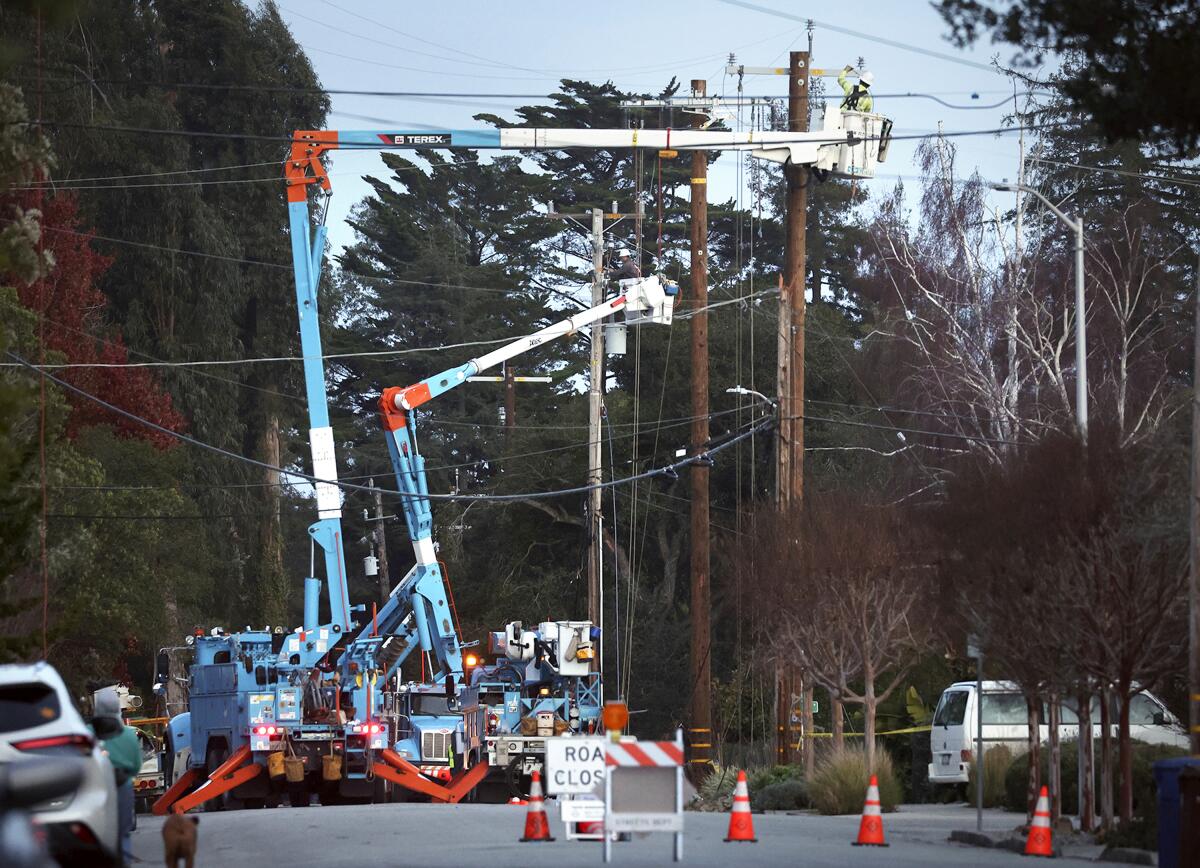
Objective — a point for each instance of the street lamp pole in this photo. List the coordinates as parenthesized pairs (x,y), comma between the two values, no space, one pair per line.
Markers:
(1076,224)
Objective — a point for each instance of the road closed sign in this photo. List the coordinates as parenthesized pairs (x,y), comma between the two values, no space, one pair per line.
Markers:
(574,766)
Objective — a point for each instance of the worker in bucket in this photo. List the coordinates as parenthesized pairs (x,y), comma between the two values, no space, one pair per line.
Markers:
(858,97)
(626,270)
(125,754)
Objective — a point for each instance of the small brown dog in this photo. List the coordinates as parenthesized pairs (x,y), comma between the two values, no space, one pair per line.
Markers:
(179,840)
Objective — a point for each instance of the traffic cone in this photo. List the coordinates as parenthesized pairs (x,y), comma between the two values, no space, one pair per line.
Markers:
(870,829)
(1040,841)
(537,825)
(741,827)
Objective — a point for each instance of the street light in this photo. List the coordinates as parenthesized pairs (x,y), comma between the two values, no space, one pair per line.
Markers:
(1081,392)
(742,390)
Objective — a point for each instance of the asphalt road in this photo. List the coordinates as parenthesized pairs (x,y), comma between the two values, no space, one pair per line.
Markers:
(453,835)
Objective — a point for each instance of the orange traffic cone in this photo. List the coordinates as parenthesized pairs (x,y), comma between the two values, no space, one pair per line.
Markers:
(741,827)
(1040,841)
(537,825)
(870,829)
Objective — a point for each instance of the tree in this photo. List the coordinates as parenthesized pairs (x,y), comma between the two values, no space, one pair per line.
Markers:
(844,595)
(1135,59)
(74,309)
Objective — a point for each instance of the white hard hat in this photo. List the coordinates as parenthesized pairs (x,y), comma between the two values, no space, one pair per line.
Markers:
(867,79)
(623,253)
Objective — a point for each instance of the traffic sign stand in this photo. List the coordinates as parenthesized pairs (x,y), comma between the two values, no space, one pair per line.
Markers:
(575,768)
(643,790)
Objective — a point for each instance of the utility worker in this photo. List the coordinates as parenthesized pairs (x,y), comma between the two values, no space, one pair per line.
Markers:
(627,270)
(125,753)
(857,97)
(313,700)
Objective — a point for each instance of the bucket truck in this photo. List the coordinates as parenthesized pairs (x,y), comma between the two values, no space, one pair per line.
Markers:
(309,709)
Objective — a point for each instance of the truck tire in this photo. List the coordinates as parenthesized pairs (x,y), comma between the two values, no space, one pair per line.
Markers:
(299,796)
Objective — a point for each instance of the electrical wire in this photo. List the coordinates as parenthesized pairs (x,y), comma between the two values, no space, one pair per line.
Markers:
(1166,179)
(446,96)
(716,145)
(668,470)
(858,34)
(51,183)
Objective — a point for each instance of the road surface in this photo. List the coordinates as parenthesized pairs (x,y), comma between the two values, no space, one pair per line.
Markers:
(423,835)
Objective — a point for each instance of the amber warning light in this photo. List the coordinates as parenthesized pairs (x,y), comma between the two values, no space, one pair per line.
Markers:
(615,716)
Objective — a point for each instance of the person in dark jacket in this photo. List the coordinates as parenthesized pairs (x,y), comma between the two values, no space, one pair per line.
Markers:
(124,752)
(627,270)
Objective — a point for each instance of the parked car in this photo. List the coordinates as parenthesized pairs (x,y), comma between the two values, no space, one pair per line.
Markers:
(37,718)
(1005,721)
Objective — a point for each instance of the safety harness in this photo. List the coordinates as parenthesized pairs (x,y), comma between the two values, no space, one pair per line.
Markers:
(850,103)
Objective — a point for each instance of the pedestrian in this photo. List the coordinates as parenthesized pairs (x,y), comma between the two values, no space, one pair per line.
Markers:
(627,270)
(858,99)
(125,753)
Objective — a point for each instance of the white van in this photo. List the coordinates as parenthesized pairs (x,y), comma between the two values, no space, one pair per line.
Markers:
(1005,721)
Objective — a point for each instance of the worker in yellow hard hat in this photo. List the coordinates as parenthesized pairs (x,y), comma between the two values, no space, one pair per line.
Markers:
(858,97)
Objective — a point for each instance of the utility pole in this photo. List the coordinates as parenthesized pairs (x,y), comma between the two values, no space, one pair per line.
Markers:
(595,518)
(385,584)
(1194,583)
(595,401)
(700,728)
(510,403)
(790,449)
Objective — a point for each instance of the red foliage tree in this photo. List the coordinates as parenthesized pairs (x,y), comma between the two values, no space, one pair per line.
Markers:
(74,307)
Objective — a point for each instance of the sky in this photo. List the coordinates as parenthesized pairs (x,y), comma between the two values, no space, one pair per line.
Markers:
(526,46)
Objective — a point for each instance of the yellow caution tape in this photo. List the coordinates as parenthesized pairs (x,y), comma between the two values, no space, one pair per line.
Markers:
(905,731)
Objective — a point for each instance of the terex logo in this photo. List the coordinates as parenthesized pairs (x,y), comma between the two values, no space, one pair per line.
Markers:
(414,139)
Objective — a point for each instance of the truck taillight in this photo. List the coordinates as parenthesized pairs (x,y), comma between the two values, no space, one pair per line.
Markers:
(493,723)
(967,756)
(367,728)
(81,743)
(268,730)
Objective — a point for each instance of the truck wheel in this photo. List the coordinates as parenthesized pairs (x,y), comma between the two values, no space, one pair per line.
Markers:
(299,796)
(380,795)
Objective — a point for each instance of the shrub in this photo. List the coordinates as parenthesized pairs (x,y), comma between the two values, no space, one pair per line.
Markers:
(760,779)
(839,783)
(1016,777)
(783,796)
(996,762)
(716,790)
(1143,831)
(717,786)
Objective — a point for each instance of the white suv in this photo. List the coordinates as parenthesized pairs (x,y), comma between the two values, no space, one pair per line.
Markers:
(37,718)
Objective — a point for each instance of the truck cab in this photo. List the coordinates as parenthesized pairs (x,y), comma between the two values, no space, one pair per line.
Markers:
(439,727)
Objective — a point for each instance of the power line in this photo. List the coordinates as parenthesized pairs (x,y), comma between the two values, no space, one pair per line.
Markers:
(858,34)
(717,145)
(52,184)
(446,96)
(669,470)
(854,424)
(1167,179)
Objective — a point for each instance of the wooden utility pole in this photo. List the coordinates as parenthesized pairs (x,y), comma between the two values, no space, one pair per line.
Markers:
(595,401)
(1194,583)
(385,584)
(700,729)
(510,403)
(595,518)
(790,452)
